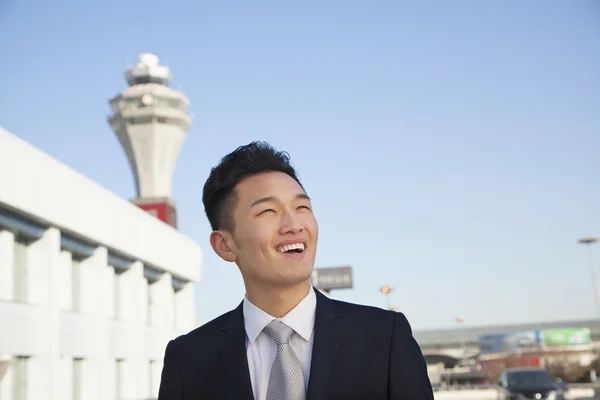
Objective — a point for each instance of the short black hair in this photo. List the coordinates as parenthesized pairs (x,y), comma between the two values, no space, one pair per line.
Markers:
(254,158)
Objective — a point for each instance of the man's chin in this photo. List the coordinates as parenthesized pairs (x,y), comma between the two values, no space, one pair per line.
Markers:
(293,281)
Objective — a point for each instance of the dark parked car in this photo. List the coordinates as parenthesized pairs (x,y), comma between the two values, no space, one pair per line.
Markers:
(531,383)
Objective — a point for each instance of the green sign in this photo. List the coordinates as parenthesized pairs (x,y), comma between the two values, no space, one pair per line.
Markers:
(566,337)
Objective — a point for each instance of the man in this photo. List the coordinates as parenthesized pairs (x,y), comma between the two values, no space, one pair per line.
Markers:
(285,341)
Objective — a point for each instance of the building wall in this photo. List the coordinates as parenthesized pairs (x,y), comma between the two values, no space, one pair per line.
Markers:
(91,287)
(39,185)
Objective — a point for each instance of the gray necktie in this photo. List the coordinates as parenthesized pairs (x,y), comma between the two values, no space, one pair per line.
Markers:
(286,380)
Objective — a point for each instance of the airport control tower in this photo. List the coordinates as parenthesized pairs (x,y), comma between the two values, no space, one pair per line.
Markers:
(151,121)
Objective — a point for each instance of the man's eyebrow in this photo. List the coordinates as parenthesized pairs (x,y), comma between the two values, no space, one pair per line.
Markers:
(303,196)
(272,198)
(262,200)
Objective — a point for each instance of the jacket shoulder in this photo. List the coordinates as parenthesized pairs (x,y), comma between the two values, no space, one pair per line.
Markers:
(202,334)
(360,309)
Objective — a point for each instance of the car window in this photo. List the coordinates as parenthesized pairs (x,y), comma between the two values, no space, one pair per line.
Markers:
(527,378)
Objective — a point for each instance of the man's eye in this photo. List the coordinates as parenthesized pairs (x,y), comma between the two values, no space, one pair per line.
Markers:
(266,211)
(306,207)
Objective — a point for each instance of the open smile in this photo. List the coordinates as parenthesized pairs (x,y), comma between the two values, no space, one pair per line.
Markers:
(295,248)
(292,248)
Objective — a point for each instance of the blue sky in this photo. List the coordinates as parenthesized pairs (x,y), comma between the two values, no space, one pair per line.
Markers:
(451,148)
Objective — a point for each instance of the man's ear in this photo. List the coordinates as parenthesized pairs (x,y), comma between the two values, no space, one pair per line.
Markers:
(219,240)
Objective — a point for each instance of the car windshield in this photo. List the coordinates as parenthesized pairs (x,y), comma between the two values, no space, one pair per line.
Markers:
(527,378)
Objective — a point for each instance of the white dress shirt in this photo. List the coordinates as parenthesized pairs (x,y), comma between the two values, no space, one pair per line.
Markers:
(261,349)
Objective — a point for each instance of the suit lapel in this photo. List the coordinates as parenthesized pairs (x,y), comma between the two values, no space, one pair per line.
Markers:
(326,342)
(232,349)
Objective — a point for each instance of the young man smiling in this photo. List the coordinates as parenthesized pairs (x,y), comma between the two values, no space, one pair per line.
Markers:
(285,341)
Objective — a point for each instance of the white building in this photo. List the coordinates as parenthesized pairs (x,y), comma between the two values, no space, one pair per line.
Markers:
(91,286)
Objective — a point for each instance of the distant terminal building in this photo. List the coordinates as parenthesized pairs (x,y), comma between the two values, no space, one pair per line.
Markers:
(477,352)
(92,287)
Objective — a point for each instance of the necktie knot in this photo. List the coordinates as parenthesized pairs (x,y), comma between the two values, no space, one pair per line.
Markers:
(280,332)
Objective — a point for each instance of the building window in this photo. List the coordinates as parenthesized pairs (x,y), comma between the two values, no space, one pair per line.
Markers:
(140,120)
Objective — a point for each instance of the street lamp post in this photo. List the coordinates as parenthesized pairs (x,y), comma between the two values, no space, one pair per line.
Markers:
(589,242)
(386,290)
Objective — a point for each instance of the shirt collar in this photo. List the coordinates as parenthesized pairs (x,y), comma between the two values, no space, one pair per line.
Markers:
(301,318)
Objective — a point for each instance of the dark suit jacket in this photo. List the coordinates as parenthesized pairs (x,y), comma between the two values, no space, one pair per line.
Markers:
(359,352)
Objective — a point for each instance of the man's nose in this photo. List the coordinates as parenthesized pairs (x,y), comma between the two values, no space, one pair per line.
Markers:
(290,224)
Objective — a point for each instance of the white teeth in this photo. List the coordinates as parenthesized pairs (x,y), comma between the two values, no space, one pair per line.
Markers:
(289,247)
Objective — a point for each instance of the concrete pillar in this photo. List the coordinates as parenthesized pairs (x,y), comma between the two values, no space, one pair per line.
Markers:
(127,384)
(66,278)
(161,313)
(42,258)
(98,377)
(109,301)
(66,378)
(140,360)
(155,372)
(86,379)
(78,382)
(7,262)
(131,298)
(146,382)
(49,247)
(20,379)
(109,384)
(38,277)
(143,300)
(141,367)
(38,379)
(90,276)
(185,309)
(129,291)
(20,272)
(161,302)
(95,370)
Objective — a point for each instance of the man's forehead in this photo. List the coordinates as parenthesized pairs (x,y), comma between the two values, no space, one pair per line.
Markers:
(266,199)
(268,184)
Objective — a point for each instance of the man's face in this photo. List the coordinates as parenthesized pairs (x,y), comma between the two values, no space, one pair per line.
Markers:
(275,232)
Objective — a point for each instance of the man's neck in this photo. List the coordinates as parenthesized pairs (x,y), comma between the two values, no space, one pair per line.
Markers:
(277,301)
